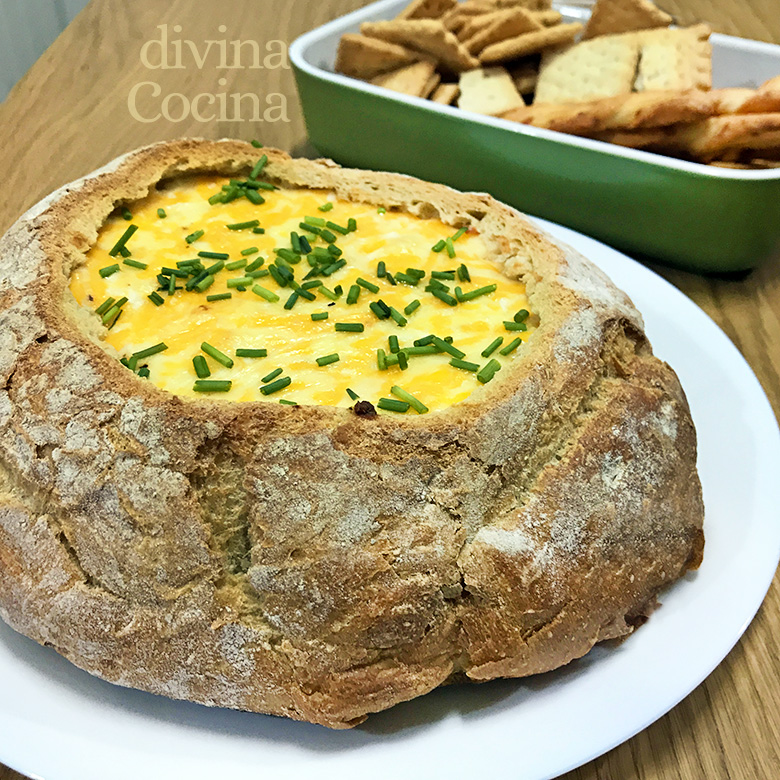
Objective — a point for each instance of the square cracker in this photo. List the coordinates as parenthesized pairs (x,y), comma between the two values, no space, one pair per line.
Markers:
(428,36)
(679,58)
(488,91)
(511,23)
(363,58)
(479,22)
(618,16)
(592,69)
(415,79)
(766,99)
(529,43)
(427,9)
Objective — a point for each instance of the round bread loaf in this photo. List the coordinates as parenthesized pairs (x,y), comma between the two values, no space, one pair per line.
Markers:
(308,561)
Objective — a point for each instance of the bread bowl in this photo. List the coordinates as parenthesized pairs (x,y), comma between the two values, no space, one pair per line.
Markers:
(307,560)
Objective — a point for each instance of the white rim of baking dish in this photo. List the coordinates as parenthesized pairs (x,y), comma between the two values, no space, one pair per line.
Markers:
(299,51)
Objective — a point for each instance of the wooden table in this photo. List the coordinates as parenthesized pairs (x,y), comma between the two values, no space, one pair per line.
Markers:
(70,114)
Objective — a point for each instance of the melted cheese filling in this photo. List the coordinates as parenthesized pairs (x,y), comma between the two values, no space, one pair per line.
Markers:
(292,339)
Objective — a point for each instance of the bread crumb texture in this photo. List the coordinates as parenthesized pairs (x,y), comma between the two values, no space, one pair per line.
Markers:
(306,561)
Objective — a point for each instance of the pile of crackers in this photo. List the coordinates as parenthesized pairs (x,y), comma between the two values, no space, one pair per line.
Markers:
(626,77)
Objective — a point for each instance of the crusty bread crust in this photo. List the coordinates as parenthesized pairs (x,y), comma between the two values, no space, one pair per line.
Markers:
(305,561)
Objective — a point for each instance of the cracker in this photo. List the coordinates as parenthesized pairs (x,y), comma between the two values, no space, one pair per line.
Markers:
(488,91)
(477,23)
(730,99)
(674,59)
(641,110)
(425,35)
(363,57)
(617,16)
(530,43)
(765,100)
(426,9)
(445,94)
(592,69)
(708,138)
(411,79)
(512,23)
(547,18)
(431,85)
(525,75)
(455,19)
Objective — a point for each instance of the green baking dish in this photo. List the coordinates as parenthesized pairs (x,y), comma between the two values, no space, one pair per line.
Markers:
(705,219)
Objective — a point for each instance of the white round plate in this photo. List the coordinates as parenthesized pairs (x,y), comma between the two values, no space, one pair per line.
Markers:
(58,723)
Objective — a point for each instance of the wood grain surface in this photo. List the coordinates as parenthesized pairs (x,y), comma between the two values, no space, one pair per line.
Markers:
(70,114)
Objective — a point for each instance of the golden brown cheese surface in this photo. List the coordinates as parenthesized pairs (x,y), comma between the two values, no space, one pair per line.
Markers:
(292,339)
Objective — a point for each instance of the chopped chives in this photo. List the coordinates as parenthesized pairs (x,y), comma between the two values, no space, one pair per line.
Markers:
(269,377)
(214,353)
(350,327)
(352,394)
(444,296)
(326,235)
(407,279)
(259,165)
(450,247)
(126,213)
(235,265)
(464,364)
(511,346)
(351,225)
(143,372)
(217,197)
(239,281)
(463,273)
(115,320)
(304,293)
(105,306)
(219,297)
(380,309)
(381,269)
(256,144)
(243,225)
(269,295)
(333,296)
(110,314)
(194,236)
(195,280)
(311,228)
(425,341)
(488,371)
(412,307)
(193,262)
(381,210)
(398,317)
(156,299)
(381,360)
(443,275)
(391,405)
(448,348)
(161,213)
(325,206)
(312,283)
(326,360)
(521,326)
(201,367)
(415,272)
(338,228)
(213,269)
(430,349)
(295,241)
(252,250)
(255,264)
(149,351)
(108,270)
(435,284)
(258,274)
(135,264)
(279,384)
(251,353)
(457,234)
(277,276)
(353,294)
(403,362)
(367,285)
(291,301)
(179,273)
(319,315)
(212,385)
(472,294)
(204,284)
(305,245)
(522,315)
(318,221)
(439,245)
(492,347)
(214,255)
(408,398)
(287,402)
(255,197)
(393,342)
